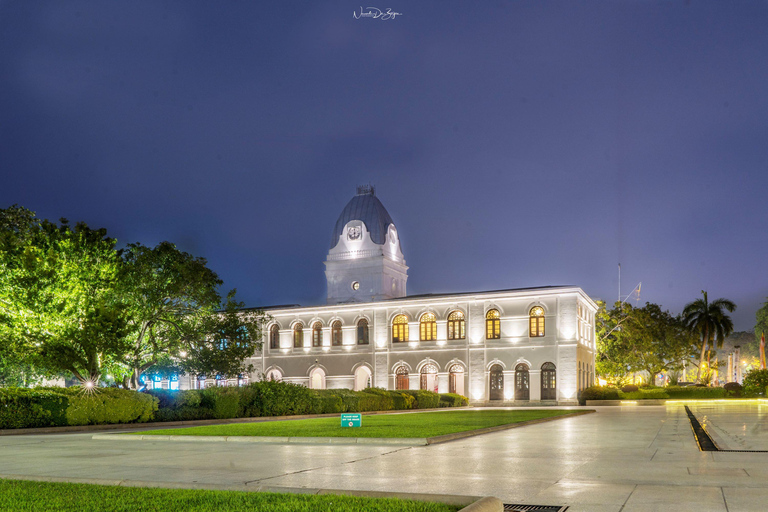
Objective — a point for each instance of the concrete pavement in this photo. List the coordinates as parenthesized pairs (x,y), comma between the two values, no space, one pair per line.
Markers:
(621,459)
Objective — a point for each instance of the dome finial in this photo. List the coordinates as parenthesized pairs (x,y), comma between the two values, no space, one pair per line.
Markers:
(366,190)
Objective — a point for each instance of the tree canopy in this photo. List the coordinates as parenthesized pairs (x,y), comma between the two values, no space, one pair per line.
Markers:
(71,302)
(645,339)
(710,322)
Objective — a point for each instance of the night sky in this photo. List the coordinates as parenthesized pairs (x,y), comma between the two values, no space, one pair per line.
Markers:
(514,144)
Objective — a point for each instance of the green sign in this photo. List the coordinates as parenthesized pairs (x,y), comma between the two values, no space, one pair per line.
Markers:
(351,420)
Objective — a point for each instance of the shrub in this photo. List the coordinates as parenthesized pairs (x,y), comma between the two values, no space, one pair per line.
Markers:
(755,382)
(274,398)
(644,394)
(377,399)
(24,408)
(48,407)
(423,399)
(598,393)
(223,403)
(327,402)
(692,392)
(733,389)
(401,400)
(629,388)
(453,400)
(180,405)
(109,406)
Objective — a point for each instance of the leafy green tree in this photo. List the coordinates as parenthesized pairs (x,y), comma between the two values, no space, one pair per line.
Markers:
(756,382)
(171,295)
(645,339)
(222,342)
(657,340)
(58,309)
(710,322)
(613,361)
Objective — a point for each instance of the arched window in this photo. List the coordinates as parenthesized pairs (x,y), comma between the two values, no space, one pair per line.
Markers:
(522,382)
(400,329)
(362,332)
(317,335)
(456,379)
(548,382)
(492,325)
(336,333)
(274,337)
(428,377)
(274,375)
(362,378)
(428,327)
(456,326)
(537,321)
(298,335)
(401,377)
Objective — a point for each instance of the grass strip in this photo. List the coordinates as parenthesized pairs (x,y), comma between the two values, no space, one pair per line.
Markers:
(64,497)
(419,425)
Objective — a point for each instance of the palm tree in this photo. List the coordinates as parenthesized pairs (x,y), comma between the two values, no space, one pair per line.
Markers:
(710,321)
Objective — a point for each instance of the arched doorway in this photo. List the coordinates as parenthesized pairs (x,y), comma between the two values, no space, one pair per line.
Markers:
(428,377)
(362,378)
(522,382)
(456,379)
(317,379)
(401,378)
(548,382)
(497,382)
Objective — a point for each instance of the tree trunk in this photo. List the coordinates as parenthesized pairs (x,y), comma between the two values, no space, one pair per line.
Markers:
(704,339)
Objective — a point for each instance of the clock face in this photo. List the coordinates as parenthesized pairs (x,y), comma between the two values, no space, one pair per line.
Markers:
(354,233)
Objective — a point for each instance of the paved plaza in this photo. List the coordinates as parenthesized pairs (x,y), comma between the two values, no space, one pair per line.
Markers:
(621,459)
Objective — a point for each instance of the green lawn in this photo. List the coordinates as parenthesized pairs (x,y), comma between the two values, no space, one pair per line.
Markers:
(420,425)
(48,497)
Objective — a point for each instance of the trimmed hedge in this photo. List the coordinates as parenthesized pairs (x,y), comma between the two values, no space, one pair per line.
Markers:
(45,407)
(598,393)
(453,400)
(672,392)
(271,398)
(53,407)
(692,392)
(423,399)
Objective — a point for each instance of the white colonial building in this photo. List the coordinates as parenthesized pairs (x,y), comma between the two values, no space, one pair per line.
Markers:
(524,345)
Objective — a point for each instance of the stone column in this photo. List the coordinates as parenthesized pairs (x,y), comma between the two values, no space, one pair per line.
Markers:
(535,384)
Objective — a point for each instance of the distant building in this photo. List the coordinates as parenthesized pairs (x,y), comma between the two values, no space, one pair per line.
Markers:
(525,345)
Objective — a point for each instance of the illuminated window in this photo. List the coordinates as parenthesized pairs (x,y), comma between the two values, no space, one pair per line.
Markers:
(317,335)
(362,332)
(274,337)
(336,333)
(298,335)
(492,325)
(537,321)
(400,329)
(456,326)
(427,327)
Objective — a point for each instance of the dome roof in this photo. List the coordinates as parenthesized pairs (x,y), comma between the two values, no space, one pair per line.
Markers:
(365,207)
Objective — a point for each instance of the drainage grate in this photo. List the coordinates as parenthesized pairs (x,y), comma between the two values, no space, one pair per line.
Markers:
(534,508)
(706,444)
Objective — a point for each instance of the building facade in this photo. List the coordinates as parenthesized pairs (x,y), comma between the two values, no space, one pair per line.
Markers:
(522,345)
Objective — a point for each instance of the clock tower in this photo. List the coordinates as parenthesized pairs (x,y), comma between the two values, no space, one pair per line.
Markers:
(365,262)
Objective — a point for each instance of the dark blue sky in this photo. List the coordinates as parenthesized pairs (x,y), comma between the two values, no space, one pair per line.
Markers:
(514,143)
